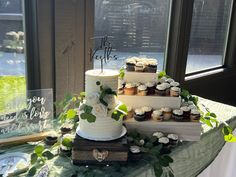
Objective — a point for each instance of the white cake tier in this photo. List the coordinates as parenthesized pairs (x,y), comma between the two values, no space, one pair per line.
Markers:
(104,128)
(107,78)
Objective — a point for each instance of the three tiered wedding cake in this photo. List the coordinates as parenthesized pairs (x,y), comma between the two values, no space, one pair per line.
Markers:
(98,113)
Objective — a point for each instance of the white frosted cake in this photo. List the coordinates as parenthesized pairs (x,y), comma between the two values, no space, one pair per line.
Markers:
(104,127)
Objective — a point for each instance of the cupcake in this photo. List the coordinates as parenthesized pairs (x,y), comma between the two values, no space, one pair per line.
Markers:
(174,84)
(186,110)
(164,140)
(195,115)
(147,112)
(142,90)
(193,106)
(120,89)
(178,115)
(129,89)
(161,90)
(173,138)
(158,134)
(139,67)
(136,84)
(166,113)
(174,91)
(162,80)
(157,115)
(139,115)
(130,113)
(130,64)
(169,80)
(167,86)
(151,88)
(151,66)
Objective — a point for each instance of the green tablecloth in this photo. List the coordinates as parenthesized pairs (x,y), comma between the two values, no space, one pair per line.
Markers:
(190,158)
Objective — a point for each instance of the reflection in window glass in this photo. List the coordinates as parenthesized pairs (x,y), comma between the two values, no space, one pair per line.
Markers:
(136,28)
(209,30)
(12,57)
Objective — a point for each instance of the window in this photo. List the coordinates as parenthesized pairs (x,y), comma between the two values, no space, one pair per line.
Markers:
(12,56)
(209,31)
(134,27)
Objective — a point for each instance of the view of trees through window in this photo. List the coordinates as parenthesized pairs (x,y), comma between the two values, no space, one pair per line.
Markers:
(12,56)
(210,23)
(135,28)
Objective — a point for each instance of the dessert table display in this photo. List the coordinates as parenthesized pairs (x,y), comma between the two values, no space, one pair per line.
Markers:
(159,118)
(190,158)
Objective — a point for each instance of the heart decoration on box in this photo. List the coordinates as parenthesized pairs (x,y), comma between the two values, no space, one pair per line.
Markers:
(100,155)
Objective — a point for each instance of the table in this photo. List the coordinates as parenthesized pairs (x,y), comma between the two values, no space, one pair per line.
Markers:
(190,158)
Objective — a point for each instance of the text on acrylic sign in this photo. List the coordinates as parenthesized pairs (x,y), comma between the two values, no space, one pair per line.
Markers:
(36,116)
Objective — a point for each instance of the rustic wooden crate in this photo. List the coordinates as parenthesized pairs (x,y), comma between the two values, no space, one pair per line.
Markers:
(187,131)
(89,152)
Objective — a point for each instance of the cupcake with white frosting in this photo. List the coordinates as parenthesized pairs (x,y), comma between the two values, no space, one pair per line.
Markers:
(186,110)
(164,141)
(151,87)
(174,84)
(142,90)
(139,115)
(173,138)
(129,89)
(167,86)
(158,134)
(175,91)
(162,80)
(147,112)
(178,114)
(157,115)
(167,113)
(151,66)
(136,84)
(169,80)
(139,66)
(195,115)
(130,64)
(160,90)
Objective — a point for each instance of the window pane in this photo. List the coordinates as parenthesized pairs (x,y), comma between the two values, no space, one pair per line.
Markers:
(137,28)
(12,57)
(209,30)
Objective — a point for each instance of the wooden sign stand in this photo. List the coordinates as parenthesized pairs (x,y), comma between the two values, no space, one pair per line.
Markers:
(24,139)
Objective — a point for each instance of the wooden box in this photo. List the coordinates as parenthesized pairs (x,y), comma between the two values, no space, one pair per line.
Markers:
(89,152)
(187,131)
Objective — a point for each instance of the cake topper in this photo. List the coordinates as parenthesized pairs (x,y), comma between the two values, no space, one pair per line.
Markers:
(106,47)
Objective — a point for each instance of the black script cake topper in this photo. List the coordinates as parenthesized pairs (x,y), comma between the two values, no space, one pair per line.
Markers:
(106,47)
(36,115)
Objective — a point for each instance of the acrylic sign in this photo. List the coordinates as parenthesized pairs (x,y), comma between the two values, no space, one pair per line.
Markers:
(33,114)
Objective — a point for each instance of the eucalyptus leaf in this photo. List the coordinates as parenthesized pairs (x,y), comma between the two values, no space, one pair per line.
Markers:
(71,113)
(168,158)
(91,118)
(48,154)
(161,74)
(32,171)
(67,142)
(33,158)
(213,115)
(230,138)
(227,130)
(39,149)
(158,170)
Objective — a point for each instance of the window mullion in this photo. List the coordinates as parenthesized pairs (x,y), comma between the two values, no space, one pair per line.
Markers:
(179,35)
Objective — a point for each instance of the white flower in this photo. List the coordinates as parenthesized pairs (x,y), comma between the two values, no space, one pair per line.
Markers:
(141,142)
(92,99)
(99,110)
